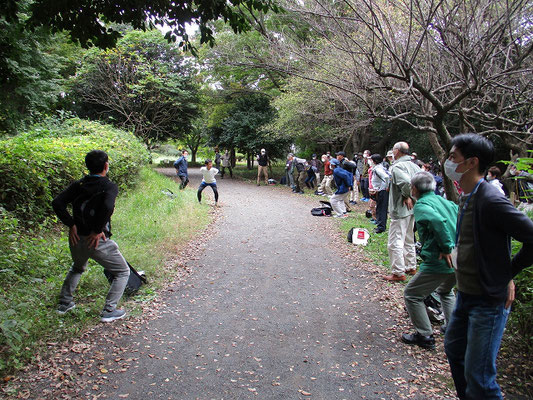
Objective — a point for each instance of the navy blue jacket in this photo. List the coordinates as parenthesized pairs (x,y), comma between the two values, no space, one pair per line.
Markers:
(181,166)
(343,180)
(495,222)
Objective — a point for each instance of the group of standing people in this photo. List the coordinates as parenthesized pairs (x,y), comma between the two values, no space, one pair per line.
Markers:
(465,245)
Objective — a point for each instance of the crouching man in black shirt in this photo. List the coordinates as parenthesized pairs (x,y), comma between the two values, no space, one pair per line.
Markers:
(93,203)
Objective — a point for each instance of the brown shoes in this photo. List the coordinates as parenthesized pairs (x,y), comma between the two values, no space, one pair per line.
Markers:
(395,278)
(411,272)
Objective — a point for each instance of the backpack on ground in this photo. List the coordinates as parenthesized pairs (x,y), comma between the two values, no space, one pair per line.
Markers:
(135,281)
(358,236)
(323,211)
(434,309)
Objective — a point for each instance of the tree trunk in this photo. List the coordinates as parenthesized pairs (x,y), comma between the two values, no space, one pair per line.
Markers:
(193,154)
(233,158)
(248,161)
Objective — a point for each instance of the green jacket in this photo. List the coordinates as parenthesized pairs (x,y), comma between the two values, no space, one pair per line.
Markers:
(402,170)
(436,219)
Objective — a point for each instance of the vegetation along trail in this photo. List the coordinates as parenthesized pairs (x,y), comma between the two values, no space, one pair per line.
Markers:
(271,309)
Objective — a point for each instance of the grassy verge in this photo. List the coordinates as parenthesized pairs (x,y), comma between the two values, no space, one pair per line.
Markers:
(148,227)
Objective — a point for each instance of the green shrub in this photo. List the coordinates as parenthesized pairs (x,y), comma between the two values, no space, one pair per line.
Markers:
(35,166)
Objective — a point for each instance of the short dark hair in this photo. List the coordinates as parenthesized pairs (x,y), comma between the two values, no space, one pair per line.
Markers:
(376,158)
(95,161)
(473,145)
(207,161)
(495,172)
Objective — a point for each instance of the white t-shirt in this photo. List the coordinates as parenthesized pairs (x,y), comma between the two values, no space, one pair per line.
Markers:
(209,174)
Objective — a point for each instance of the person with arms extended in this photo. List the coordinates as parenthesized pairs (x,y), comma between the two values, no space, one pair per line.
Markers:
(93,202)
(181,169)
(484,268)
(208,173)
(435,220)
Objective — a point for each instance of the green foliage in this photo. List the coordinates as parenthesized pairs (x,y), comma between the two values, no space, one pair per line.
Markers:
(145,84)
(89,22)
(33,67)
(147,225)
(37,165)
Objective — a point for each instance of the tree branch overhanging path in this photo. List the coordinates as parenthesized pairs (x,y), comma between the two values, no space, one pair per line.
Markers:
(277,305)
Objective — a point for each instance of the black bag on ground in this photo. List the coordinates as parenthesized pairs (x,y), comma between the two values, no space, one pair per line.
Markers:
(135,280)
(323,211)
(434,309)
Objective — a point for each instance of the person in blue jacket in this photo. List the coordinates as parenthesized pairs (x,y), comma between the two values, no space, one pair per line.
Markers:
(484,268)
(344,182)
(181,169)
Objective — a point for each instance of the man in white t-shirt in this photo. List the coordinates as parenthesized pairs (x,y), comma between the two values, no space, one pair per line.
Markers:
(208,173)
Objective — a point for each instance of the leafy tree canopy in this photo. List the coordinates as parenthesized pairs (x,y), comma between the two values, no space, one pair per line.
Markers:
(88,21)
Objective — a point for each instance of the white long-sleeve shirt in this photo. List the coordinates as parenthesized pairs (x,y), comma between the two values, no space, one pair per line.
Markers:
(209,174)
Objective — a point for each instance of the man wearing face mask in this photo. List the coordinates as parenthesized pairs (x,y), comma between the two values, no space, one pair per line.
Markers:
(484,269)
(401,243)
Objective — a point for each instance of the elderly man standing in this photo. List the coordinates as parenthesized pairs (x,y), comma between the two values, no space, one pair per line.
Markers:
(435,222)
(401,245)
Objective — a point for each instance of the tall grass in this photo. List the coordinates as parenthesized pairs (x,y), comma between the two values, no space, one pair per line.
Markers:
(148,226)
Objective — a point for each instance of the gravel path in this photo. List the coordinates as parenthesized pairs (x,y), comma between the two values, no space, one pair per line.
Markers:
(276,307)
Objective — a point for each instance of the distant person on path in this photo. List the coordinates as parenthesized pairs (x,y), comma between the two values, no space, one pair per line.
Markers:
(289,171)
(380,184)
(487,221)
(262,167)
(93,202)
(208,174)
(226,163)
(435,223)
(182,169)
(344,183)
(300,165)
(218,158)
(325,185)
(401,243)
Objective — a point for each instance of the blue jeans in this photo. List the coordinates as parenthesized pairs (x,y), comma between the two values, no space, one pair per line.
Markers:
(472,341)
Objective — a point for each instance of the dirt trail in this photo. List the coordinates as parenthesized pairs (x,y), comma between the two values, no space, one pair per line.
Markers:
(272,309)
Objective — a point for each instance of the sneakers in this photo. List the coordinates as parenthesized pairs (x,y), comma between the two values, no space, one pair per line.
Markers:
(426,342)
(411,272)
(63,308)
(353,202)
(395,278)
(365,199)
(377,230)
(110,316)
(340,216)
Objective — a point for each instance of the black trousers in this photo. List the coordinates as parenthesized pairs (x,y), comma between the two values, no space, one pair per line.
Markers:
(184,181)
(382,205)
(364,187)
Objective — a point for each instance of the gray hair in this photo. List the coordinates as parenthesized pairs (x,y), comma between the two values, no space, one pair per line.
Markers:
(402,147)
(423,182)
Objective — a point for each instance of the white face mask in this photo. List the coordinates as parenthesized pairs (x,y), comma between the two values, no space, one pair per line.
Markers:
(371,163)
(450,170)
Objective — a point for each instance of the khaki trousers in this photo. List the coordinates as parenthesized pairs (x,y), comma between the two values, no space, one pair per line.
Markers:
(401,245)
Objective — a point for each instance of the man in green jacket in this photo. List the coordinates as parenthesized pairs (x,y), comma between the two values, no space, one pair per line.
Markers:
(401,244)
(435,219)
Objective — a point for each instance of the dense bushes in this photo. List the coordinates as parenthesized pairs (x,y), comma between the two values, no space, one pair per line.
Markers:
(37,165)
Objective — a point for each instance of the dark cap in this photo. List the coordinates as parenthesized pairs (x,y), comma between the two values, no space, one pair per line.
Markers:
(341,153)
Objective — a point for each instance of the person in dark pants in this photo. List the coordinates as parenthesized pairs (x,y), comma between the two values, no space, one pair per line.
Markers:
(380,184)
(93,203)
(182,169)
(208,173)
(484,268)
